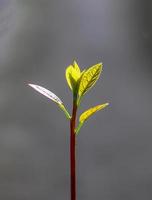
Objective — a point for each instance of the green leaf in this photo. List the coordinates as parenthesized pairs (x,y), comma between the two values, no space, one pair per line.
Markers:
(76,66)
(72,76)
(89,78)
(51,96)
(88,113)
(84,116)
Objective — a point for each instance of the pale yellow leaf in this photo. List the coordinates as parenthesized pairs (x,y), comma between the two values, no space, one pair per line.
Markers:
(46,93)
(51,96)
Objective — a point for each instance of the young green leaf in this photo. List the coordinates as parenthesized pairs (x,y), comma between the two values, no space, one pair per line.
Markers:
(51,96)
(76,66)
(72,75)
(88,113)
(84,116)
(89,78)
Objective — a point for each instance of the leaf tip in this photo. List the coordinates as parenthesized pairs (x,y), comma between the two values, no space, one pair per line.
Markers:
(31,85)
(103,105)
(101,65)
(76,66)
(74,62)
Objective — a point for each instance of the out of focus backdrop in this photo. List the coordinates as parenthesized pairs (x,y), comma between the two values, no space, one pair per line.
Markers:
(38,40)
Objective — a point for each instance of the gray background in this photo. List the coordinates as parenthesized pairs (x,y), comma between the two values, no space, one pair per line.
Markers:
(38,40)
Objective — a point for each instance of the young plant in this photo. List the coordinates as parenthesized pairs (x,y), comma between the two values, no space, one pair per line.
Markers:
(80,83)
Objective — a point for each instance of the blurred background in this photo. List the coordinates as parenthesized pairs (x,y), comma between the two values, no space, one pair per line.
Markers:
(38,40)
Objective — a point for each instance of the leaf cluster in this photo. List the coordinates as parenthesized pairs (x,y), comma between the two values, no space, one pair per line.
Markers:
(80,82)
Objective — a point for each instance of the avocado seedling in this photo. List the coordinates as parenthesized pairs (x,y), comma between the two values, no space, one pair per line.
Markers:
(80,82)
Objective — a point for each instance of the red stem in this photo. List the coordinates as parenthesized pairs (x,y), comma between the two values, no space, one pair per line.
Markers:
(72,153)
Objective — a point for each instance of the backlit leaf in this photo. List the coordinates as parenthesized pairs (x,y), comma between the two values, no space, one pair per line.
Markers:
(72,75)
(89,78)
(51,96)
(76,66)
(46,93)
(84,116)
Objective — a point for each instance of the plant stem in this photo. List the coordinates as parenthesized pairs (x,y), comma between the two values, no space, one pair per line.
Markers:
(72,152)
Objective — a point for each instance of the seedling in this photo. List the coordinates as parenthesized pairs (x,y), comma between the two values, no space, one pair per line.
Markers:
(80,83)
